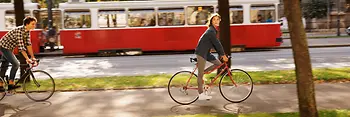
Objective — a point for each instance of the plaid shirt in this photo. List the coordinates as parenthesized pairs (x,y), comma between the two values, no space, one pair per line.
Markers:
(16,37)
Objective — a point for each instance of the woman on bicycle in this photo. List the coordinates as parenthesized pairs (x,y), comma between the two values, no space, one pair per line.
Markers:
(206,42)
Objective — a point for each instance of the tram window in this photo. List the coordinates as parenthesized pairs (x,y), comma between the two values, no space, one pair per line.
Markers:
(42,18)
(10,20)
(198,15)
(236,15)
(171,17)
(262,14)
(141,18)
(111,18)
(77,19)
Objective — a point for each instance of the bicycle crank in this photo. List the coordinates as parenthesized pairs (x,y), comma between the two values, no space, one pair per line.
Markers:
(183,90)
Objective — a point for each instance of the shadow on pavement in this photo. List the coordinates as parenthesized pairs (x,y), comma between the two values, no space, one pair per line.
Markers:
(11,111)
(229,108)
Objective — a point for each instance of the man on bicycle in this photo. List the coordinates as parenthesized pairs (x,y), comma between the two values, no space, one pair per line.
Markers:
(17,37)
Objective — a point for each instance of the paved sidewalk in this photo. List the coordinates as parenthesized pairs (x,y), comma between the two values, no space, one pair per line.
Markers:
(313,43)
(318,34)
(156,102)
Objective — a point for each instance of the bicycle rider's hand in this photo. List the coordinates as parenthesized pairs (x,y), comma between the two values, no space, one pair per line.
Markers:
(224,58)
(34,62)
(29,61)
(34,59)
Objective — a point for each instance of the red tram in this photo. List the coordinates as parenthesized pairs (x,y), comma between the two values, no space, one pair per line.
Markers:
(163,25)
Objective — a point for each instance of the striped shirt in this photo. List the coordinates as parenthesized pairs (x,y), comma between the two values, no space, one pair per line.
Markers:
(16,37)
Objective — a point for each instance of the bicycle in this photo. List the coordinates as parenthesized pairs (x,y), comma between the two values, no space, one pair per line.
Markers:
(187,92)
(32,82)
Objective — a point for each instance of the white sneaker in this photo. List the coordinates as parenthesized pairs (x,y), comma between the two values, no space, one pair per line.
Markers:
(202,96)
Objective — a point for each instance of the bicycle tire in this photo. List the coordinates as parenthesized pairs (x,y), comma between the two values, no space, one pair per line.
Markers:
(3,93)
(182,89)
(247,79)
(27,84)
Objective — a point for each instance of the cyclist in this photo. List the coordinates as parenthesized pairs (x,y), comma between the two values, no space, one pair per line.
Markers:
(17,37)
(206,42)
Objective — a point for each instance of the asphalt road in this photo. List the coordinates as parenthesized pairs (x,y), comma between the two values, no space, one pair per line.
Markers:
(274,59)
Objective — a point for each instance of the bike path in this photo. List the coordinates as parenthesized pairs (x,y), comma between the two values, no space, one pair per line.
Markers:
(156,102)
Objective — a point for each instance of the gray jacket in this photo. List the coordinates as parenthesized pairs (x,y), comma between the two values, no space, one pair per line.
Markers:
(207,41)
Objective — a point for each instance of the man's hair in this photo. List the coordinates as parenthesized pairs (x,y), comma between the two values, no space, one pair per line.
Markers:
(28,19)
(210,19)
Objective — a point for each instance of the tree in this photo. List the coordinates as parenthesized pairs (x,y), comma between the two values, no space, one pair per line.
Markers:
(43,3)
(305,85)
(315,9)
(224,35)
(19,16)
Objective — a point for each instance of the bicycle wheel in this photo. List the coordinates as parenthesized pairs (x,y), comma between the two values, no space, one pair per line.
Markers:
(237,90)
(3,93)
(40,87)
(183,88)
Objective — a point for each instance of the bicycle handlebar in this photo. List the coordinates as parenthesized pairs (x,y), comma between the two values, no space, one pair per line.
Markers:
(31,64)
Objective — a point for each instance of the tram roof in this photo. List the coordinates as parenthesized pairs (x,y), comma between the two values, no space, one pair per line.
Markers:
(27,6)
(156,3)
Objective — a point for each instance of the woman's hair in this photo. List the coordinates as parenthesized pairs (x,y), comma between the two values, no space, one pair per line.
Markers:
(28,19)
(210,23)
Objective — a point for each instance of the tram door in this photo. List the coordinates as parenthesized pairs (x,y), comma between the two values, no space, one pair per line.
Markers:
(49,38)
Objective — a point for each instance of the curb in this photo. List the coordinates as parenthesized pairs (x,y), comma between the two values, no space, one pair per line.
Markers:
(321,37)
(314,46)
(161,53)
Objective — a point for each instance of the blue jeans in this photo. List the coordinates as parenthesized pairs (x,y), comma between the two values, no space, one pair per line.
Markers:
(8,57)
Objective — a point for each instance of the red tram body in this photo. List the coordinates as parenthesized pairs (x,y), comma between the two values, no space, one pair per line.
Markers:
(163,39)
(87,27)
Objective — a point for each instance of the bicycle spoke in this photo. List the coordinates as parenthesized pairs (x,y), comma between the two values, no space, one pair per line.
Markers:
(236,87)
(183,87)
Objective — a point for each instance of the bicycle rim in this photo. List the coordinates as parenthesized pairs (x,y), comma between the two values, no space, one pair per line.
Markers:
(179,91)
(40,87)
(238,91)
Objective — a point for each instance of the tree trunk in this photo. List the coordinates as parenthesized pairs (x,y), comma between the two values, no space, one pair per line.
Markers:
(305,85)
(225,37)
(19,16)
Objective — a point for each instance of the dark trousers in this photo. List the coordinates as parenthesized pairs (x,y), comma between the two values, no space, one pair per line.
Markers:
(8,57)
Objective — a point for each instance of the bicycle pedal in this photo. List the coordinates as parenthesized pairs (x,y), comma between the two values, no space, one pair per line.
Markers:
(10,93)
